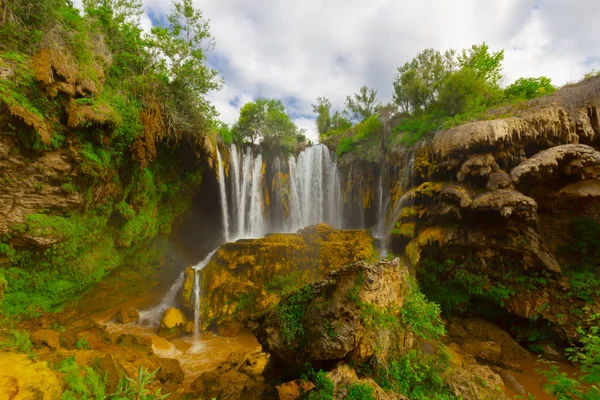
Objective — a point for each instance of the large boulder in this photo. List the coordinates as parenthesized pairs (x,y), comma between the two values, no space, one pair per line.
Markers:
(323,322)
(249,275)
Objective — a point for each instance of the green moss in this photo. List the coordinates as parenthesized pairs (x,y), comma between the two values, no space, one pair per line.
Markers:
(290,310)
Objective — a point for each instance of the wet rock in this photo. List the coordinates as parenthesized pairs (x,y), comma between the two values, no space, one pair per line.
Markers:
(172,323)
(507,203)
(477,165)
(46,337)
(294,389)
(137,343)
(511,382)
(249,275)
(485,340)
(240,377)
(229,328)
(489,351)
(550,351)
(475,382)
(21,378)
(499,180)
(127,315)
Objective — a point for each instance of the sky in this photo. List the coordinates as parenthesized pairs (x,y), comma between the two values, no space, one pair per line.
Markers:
(298,50)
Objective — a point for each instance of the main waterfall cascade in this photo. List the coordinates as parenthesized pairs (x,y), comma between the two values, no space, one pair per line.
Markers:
(285,195)
(302,191)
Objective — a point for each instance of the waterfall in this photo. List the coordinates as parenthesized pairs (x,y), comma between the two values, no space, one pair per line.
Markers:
(197,344)
(224,208)
(153,315)
(315,189)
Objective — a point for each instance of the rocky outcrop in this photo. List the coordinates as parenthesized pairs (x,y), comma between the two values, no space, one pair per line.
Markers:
(499,198)
(335,302)
(22,378)
(238,378)
(248,276)
(354,317)
(30,185)
(172,323)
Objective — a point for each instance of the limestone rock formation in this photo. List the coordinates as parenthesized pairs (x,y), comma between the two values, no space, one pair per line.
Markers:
(23,379)
(331,324)
(249,275)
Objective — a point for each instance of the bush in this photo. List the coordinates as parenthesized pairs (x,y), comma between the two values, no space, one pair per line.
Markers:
(290,311)
(421,316)
(360,391)
(530,88)
(323,389)
(17,340)
(587,356)
(417,376)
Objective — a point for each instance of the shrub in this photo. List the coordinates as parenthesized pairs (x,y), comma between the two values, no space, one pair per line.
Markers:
(530,88)
(360,391)
(290,311)
(421,315)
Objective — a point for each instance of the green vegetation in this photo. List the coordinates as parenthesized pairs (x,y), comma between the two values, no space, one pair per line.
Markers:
(143,95)
(266,121)
(587,357)
(420,315)
(130,388)
(246,302)
(360,391)
(16,340)
(417,376)
(432,92)
(81,382)
(323,389)
(290,311)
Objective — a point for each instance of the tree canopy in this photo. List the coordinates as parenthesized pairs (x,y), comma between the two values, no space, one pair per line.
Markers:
(266,121)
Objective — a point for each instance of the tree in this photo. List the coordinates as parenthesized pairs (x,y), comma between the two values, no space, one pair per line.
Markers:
(363,104)
(461,91)
(179,52)
(486,65)
(529,88)
(323,111)
(124,11)
(340,121)
(418,82)
(266,120)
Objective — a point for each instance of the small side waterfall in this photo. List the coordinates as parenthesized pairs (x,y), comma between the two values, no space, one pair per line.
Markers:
(197,344)
(223,192)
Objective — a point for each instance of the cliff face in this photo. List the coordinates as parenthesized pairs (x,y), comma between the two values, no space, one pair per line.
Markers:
(499,215)
(88,177)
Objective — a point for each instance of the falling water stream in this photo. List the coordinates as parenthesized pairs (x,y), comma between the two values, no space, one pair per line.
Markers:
(309,192)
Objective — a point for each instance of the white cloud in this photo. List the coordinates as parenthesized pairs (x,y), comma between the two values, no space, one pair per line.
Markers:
(304,49)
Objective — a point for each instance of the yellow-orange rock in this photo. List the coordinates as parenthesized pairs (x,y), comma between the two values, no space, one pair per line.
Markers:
(23,379)
(248,276)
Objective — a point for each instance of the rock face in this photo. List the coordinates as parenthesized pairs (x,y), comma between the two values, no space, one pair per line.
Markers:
(339,322)
(23,379)
(332,327)
(29,185)
(499,198)
(248,276)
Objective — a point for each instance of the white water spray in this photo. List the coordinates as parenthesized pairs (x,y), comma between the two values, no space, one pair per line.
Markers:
(224,208)
(197,343)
